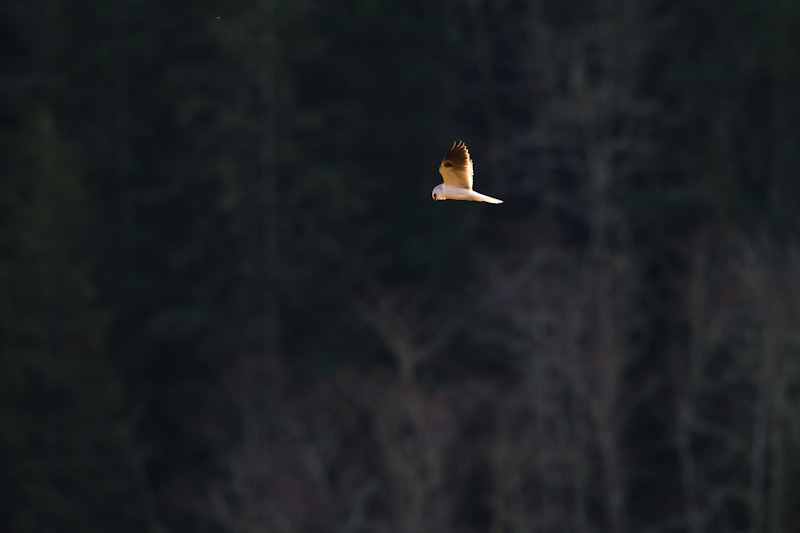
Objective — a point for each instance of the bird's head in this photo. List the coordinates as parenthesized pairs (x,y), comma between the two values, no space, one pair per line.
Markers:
(438,193)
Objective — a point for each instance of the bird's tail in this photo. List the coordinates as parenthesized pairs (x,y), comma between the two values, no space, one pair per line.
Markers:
(478,197)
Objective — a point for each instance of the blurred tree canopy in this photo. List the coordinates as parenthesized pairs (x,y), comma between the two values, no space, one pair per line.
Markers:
(227,302)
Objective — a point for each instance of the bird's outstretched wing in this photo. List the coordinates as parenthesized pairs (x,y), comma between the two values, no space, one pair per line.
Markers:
(456,167)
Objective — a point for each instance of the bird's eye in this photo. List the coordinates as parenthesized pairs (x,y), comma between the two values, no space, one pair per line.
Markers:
(448,164)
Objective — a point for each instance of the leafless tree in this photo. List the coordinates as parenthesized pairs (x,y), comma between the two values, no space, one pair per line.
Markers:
(770,275)
(733,381)
(573,320)
(356,452)
(582,126)
(414,433)
(411,321)
(288,460)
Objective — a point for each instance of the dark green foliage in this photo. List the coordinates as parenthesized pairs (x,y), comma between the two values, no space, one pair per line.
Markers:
(62,436)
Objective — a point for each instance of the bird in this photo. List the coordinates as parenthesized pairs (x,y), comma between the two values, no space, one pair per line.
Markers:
(456,171)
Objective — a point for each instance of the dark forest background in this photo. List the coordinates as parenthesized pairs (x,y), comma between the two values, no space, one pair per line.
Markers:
(228,302)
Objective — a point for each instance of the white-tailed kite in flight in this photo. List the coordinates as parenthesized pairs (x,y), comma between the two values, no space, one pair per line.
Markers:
(456,171)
